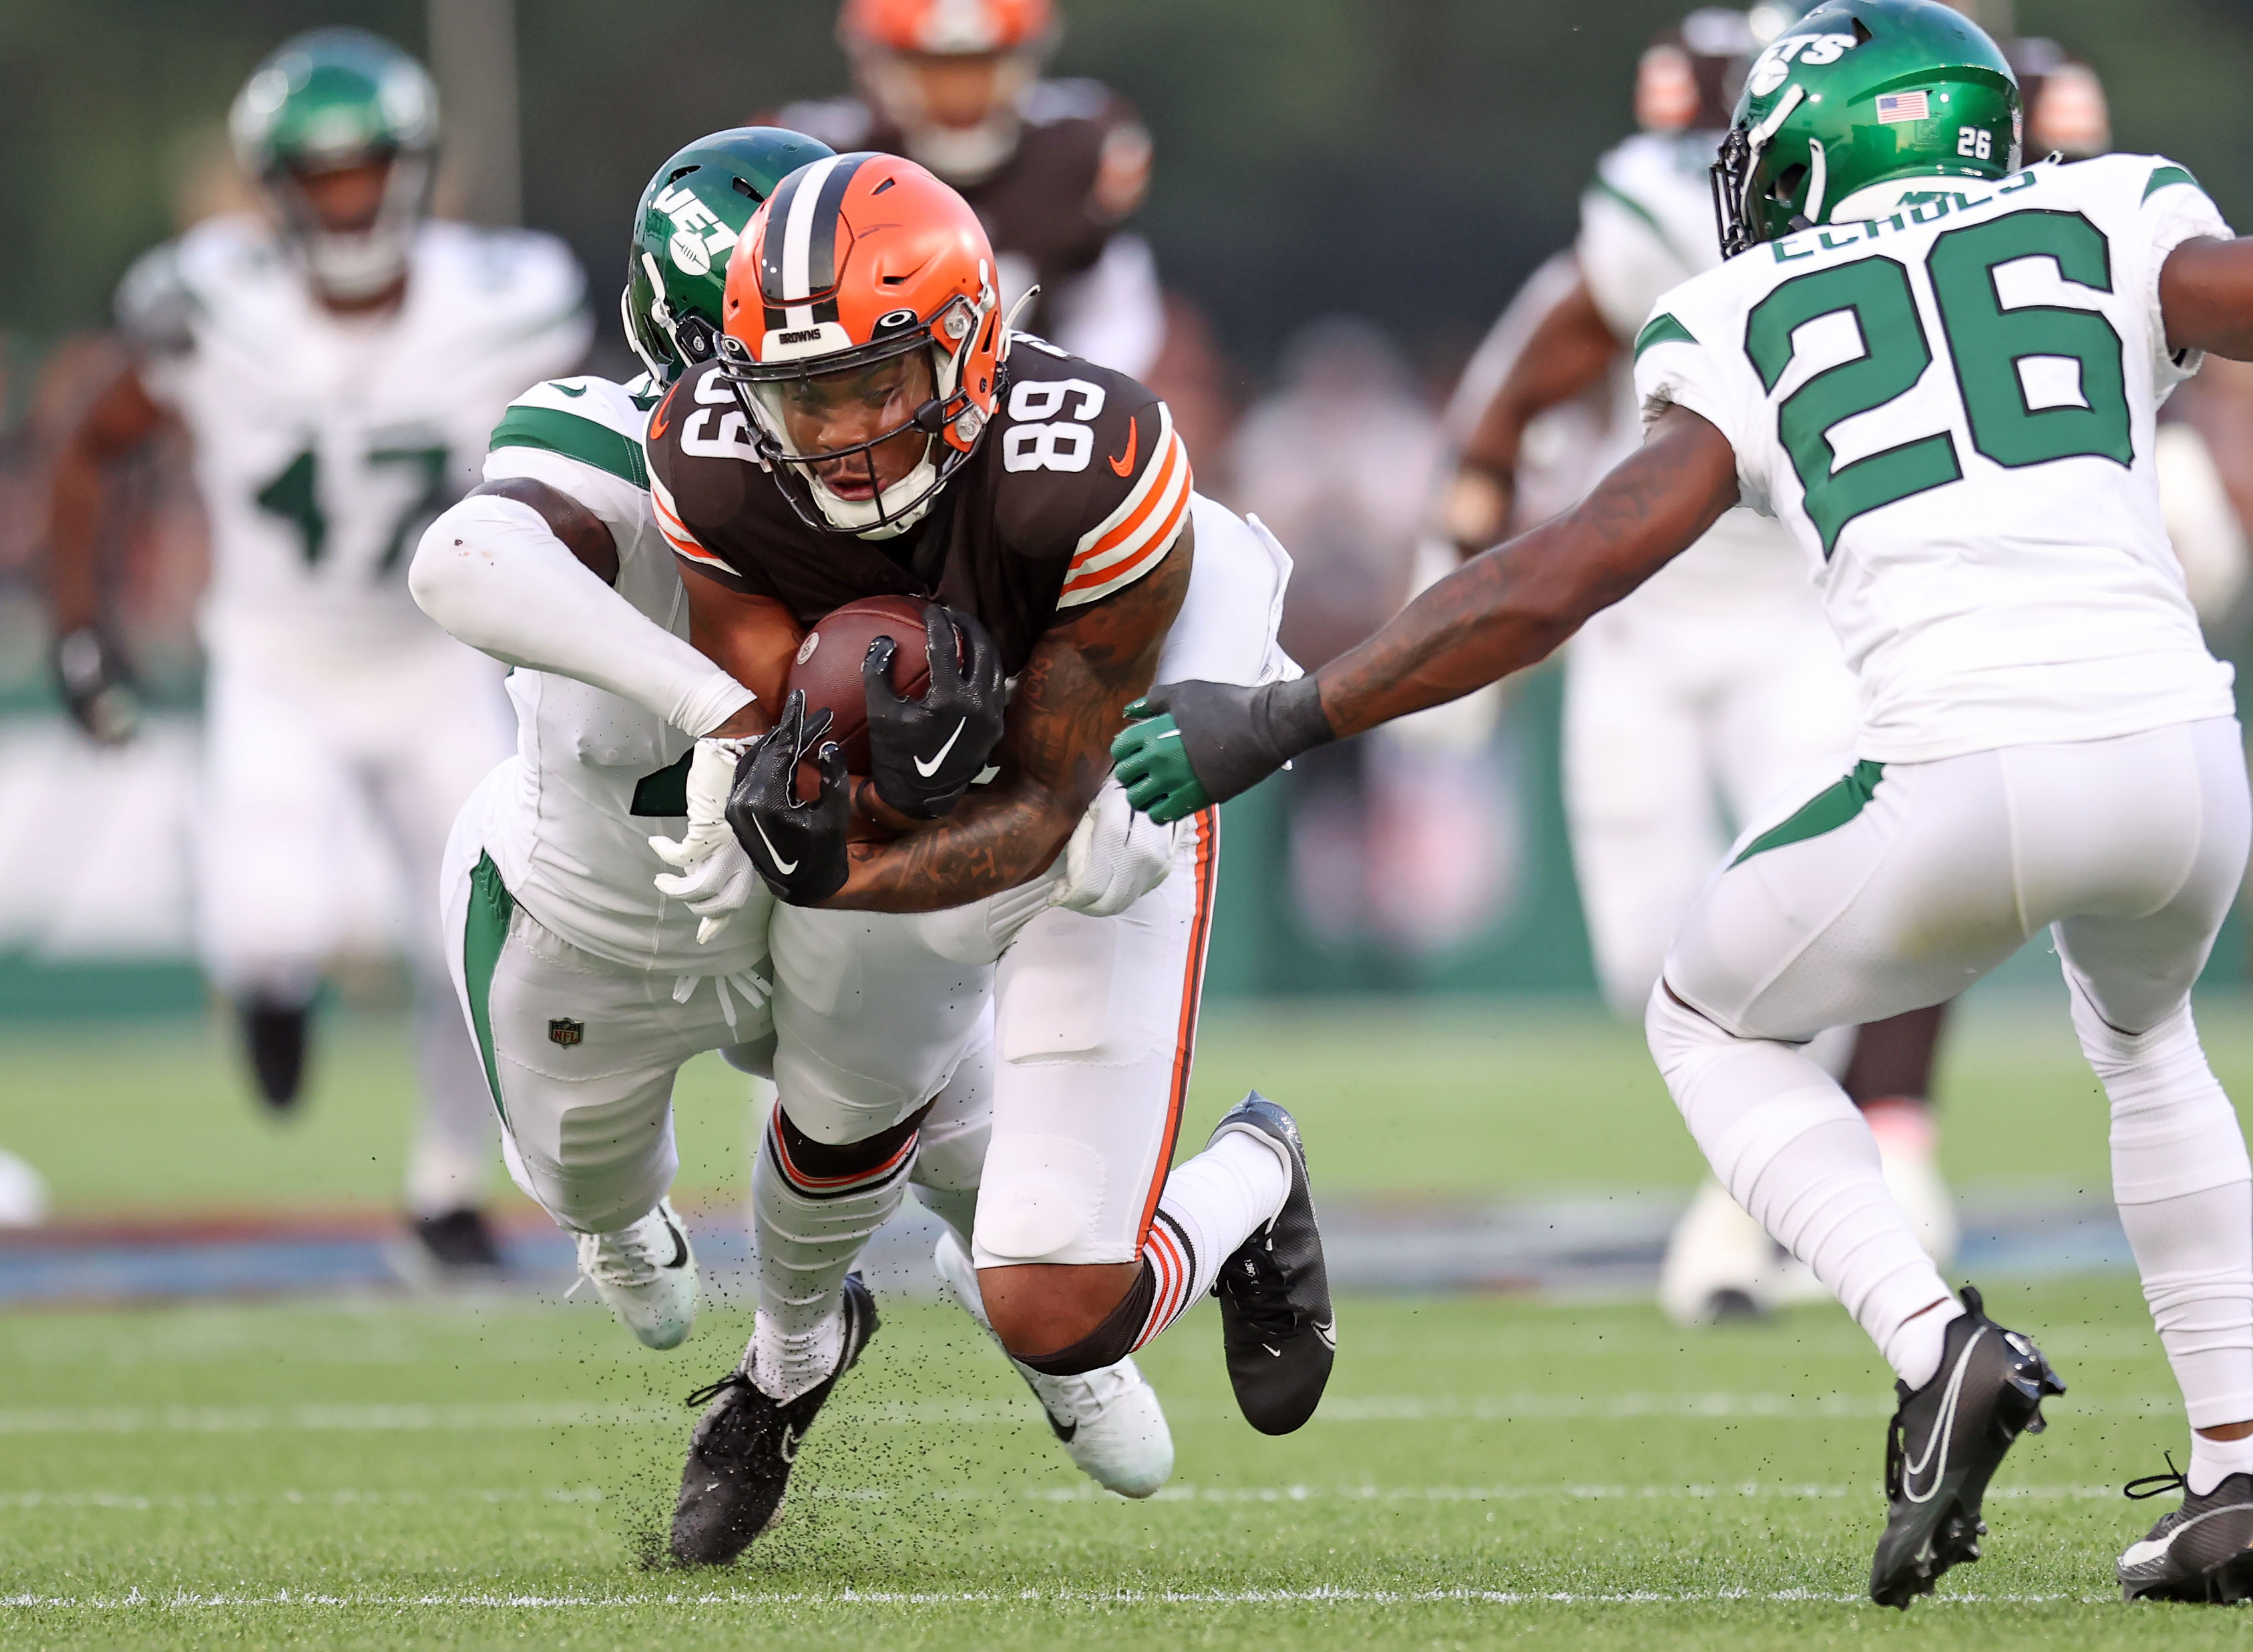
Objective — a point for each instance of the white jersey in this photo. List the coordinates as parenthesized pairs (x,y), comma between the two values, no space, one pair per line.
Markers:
(1953,411)
(596,774)
(325,444)
(1647,226)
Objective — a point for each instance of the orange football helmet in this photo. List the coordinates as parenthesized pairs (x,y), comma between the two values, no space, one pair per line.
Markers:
(861,303)
(946,27)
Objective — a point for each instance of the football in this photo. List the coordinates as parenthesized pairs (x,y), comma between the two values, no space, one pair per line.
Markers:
(828,668)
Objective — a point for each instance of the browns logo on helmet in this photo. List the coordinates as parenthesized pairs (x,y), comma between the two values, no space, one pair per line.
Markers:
(863,336)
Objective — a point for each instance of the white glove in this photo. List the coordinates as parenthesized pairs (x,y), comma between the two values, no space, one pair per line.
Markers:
(1117,855)
(715,879)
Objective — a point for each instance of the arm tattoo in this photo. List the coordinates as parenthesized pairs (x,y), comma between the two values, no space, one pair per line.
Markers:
(584,535)
(1071,700)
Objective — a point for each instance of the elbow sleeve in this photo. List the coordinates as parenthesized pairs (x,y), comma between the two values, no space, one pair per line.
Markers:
(491,572)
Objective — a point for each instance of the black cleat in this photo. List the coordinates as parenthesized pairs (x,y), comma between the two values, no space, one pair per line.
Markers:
(2201,1552)
(744,1447)
(1275,1317)
(458,1241)
(273,1034)
(1943,1445)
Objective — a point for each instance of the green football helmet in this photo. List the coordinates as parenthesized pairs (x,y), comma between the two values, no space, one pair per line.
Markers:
(1855,94)
(683,233)
(330,99)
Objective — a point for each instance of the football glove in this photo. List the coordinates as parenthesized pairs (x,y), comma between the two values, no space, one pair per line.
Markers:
(1116,856)
(97,686)
(798,847)
(712,877)
(1194,744)
(923,753)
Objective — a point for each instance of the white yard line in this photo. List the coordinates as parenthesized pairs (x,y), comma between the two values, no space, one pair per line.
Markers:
(848,1598)
(1346,1409)
(1748,1491)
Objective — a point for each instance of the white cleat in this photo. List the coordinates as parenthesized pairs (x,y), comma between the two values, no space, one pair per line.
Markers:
(1719,1262)
(1109,1421)
(23,1193)
(647,1274)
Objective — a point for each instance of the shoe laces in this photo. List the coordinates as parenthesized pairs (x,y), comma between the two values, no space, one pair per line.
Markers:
(729,1434)
(1257,1287)
(630,1258)
(2159,1485)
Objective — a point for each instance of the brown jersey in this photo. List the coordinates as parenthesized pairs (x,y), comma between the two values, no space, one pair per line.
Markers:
(1077,488)
(1081,165)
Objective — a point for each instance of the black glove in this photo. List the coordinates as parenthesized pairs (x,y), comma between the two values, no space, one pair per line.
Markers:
(97,686)
(923,753)
(1193,745)
(798,847)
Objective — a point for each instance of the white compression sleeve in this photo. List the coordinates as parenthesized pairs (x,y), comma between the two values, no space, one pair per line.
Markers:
(491,571)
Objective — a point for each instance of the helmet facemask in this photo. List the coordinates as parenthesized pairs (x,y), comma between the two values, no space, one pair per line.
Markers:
(353,265)
(906,383)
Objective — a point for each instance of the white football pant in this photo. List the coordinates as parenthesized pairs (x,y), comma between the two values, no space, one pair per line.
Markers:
(403,735)
(1897,888)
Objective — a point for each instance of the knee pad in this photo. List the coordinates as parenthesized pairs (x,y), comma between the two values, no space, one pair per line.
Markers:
(1039,1196)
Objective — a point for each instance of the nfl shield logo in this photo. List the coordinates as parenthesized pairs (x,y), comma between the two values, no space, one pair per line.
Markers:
(565,1031)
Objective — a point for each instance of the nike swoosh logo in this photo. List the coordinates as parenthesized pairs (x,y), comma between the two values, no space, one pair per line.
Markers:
(2145,1549)
(1272,1350)
(782,866)
(1064,1431)
(927,769)
(1328,1332)
(1936,1444)
(572,389)
(791,1436)
(679,1245)
(1124,465)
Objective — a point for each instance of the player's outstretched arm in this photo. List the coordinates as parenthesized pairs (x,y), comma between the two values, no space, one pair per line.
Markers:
(1502,610)
(523,572)
(96,684)
(1054,754)
(2206,295)
(1570,348)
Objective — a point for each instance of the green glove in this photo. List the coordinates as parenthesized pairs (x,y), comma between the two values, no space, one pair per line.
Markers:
(1194,744)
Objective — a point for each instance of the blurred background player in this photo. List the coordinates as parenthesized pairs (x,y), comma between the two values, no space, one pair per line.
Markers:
(336,363)
(1718,684)
(1052,168)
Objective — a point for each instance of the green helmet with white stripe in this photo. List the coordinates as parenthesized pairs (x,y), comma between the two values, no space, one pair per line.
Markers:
(328,99)
(1858,106)
(685,231)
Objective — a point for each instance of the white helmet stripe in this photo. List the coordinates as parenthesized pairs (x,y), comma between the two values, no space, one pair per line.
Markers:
(798,230)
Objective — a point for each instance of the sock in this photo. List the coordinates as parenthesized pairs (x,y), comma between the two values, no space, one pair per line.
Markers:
(1916,1345)
(1211,1205)
(2185,1190)
(810,1231)
(2213,1461)
(1783,1138)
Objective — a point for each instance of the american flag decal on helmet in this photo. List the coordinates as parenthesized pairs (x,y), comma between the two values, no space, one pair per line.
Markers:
(1896,107)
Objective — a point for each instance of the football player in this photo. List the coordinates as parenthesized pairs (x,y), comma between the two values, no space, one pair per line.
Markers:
(1054,168)
(586,986)
(336,368)
(870,426)
(1716,686)
(1942,371)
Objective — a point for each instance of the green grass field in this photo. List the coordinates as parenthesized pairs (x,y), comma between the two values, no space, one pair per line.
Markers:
(1484,1470)
(393,1473)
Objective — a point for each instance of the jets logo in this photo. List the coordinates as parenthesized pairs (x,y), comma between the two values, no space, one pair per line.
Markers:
(698,237)
(1772,67)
